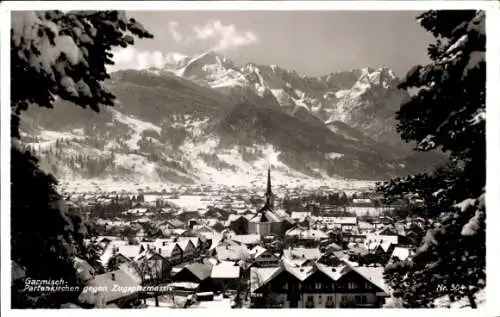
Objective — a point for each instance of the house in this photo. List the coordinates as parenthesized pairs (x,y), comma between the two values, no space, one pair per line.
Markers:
(215,213)
(152,265)
(237,223)
(168,249)
(262,257)
(277,287)
(387,233)
(346,224)
(356,290)
(316,286)
(249,240)
(121,250)
(362,202)
(302,253)
(84,270)
(353,237)
(182,232)
(204,231)
(175,223)
(196,241)
(188,249)
(375,246)
(133,270)
(303,234)
(231,252)
(217,226)
(300,215)
(195,273)
(401,254)
(365,227)
(105,240)
(112,289)
(187,214)
(226,275)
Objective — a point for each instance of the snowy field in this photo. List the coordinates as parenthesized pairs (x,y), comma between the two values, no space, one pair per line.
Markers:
(110,185)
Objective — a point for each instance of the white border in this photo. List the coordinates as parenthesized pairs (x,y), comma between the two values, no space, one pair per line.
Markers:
(247,5)
(493,124)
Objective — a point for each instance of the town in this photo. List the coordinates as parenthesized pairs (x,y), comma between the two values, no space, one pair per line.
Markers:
(300,250)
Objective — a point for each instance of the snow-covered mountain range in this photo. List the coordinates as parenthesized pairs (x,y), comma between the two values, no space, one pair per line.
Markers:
(365,99)
(205,119)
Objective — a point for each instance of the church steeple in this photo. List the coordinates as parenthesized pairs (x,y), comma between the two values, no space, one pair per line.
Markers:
(269,192)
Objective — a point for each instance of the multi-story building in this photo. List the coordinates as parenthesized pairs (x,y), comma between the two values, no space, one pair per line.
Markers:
(317,286)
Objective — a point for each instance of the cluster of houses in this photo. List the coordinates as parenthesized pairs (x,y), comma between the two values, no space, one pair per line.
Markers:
(265,257)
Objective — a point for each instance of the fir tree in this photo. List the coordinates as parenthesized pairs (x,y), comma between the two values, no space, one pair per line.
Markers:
(64,55)
(448,114)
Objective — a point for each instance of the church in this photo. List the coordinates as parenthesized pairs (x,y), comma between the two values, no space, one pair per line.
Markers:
(266,222)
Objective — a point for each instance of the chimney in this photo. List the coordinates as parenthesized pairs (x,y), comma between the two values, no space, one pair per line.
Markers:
(113,277)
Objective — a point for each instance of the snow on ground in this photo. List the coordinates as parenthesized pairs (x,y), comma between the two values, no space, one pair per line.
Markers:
(167,302)
(333,156)
(245,173)
(137,126)
(444,302)
(342,93)
(191,202)
(300,103)
(194,127)
(143,173)
(138,164)
(49,138)
(109,185)
(362,211)
(281,96)
(334,129)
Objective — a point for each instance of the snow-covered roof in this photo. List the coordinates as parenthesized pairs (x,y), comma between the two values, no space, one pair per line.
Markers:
(401,253)
(300,214)
(312,234)
(365,225)
(265,216)
(231,252)
(302,253)
(260,276)
(129,284)
(247,238)
(374,274)
(225,269)
(184,244)
(345,220)
(257,251)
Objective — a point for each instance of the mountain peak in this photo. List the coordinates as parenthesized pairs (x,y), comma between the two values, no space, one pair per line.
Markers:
(209,61)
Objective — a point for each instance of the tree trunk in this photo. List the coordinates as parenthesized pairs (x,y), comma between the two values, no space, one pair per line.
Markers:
(157,302)
(472,301)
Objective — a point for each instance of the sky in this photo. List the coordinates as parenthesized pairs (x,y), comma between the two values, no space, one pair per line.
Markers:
(313,43)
